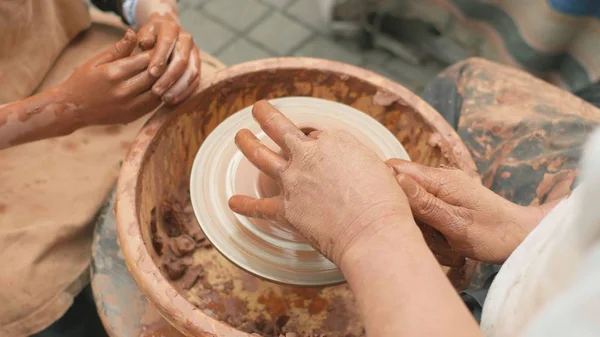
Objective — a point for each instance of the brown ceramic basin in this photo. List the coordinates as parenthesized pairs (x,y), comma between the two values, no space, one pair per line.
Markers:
(188,281)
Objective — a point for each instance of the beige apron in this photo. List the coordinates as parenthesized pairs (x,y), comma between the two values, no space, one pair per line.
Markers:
(51,190)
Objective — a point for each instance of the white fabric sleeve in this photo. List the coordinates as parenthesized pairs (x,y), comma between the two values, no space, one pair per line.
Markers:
(129,9)
(576,311)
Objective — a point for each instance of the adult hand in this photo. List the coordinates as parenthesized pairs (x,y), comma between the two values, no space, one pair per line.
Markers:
(334,190)
(111,88)
(476,222)
(175,58)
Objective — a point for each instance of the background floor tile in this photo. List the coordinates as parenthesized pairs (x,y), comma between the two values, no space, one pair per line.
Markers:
(308,12)
(279,34)
(241,30)
(242,50)
(324,48)
(239,14)
(208,34)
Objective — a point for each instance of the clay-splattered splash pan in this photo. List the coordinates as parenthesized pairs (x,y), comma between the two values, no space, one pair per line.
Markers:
(186,279)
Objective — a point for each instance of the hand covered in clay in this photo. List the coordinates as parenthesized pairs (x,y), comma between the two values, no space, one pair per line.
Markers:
(111,88)
(334,190)
(476,222)
(175,58)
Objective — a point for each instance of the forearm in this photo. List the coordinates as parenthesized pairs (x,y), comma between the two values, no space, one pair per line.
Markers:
(401,289)
(148,9)
(41,116)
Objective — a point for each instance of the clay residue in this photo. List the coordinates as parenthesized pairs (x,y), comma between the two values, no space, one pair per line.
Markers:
(230,295)
(317,305)
(175,238)
(338,315)
(512,96)
(434,140)
(274,304)
(162,330)
(26,114)
(384,98)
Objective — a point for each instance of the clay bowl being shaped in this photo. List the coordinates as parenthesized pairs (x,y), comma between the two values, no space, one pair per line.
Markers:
(190,283)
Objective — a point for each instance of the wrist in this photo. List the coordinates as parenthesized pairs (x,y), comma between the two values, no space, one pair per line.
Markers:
(525,220)
(528,217)
(522,221)
(393,234)
(68,112)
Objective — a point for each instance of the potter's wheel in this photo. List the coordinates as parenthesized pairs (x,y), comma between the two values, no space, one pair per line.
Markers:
(265,248)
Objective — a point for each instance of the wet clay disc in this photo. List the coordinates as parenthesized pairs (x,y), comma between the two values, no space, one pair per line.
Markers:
(265,248)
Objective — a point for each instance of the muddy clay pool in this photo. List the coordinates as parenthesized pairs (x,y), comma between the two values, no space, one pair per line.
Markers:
(225,292)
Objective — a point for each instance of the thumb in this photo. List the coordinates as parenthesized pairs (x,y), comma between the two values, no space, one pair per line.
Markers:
(425,206)
(425,176)
(119,50)
(147,36)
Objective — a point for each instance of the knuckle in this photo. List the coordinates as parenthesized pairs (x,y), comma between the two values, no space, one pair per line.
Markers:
(184,35)
(460,175)
(83,69)
(308,155)
(445,183)
(268,122)
(342,133)
(290,174)
(428,205)
(344,137)
(194,73)
(255,153)
(337,133)
(112,74)
(120,93)
(447,188)
(290,177)
(463,217)
(116,51)
(324,133)
(179,63)
(459,224)
(146,29)
(453,183)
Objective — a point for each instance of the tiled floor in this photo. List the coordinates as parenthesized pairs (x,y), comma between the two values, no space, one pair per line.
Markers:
(236,31)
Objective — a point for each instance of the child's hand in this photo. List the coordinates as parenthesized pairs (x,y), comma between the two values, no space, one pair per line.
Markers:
(175,58)
(113,87)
